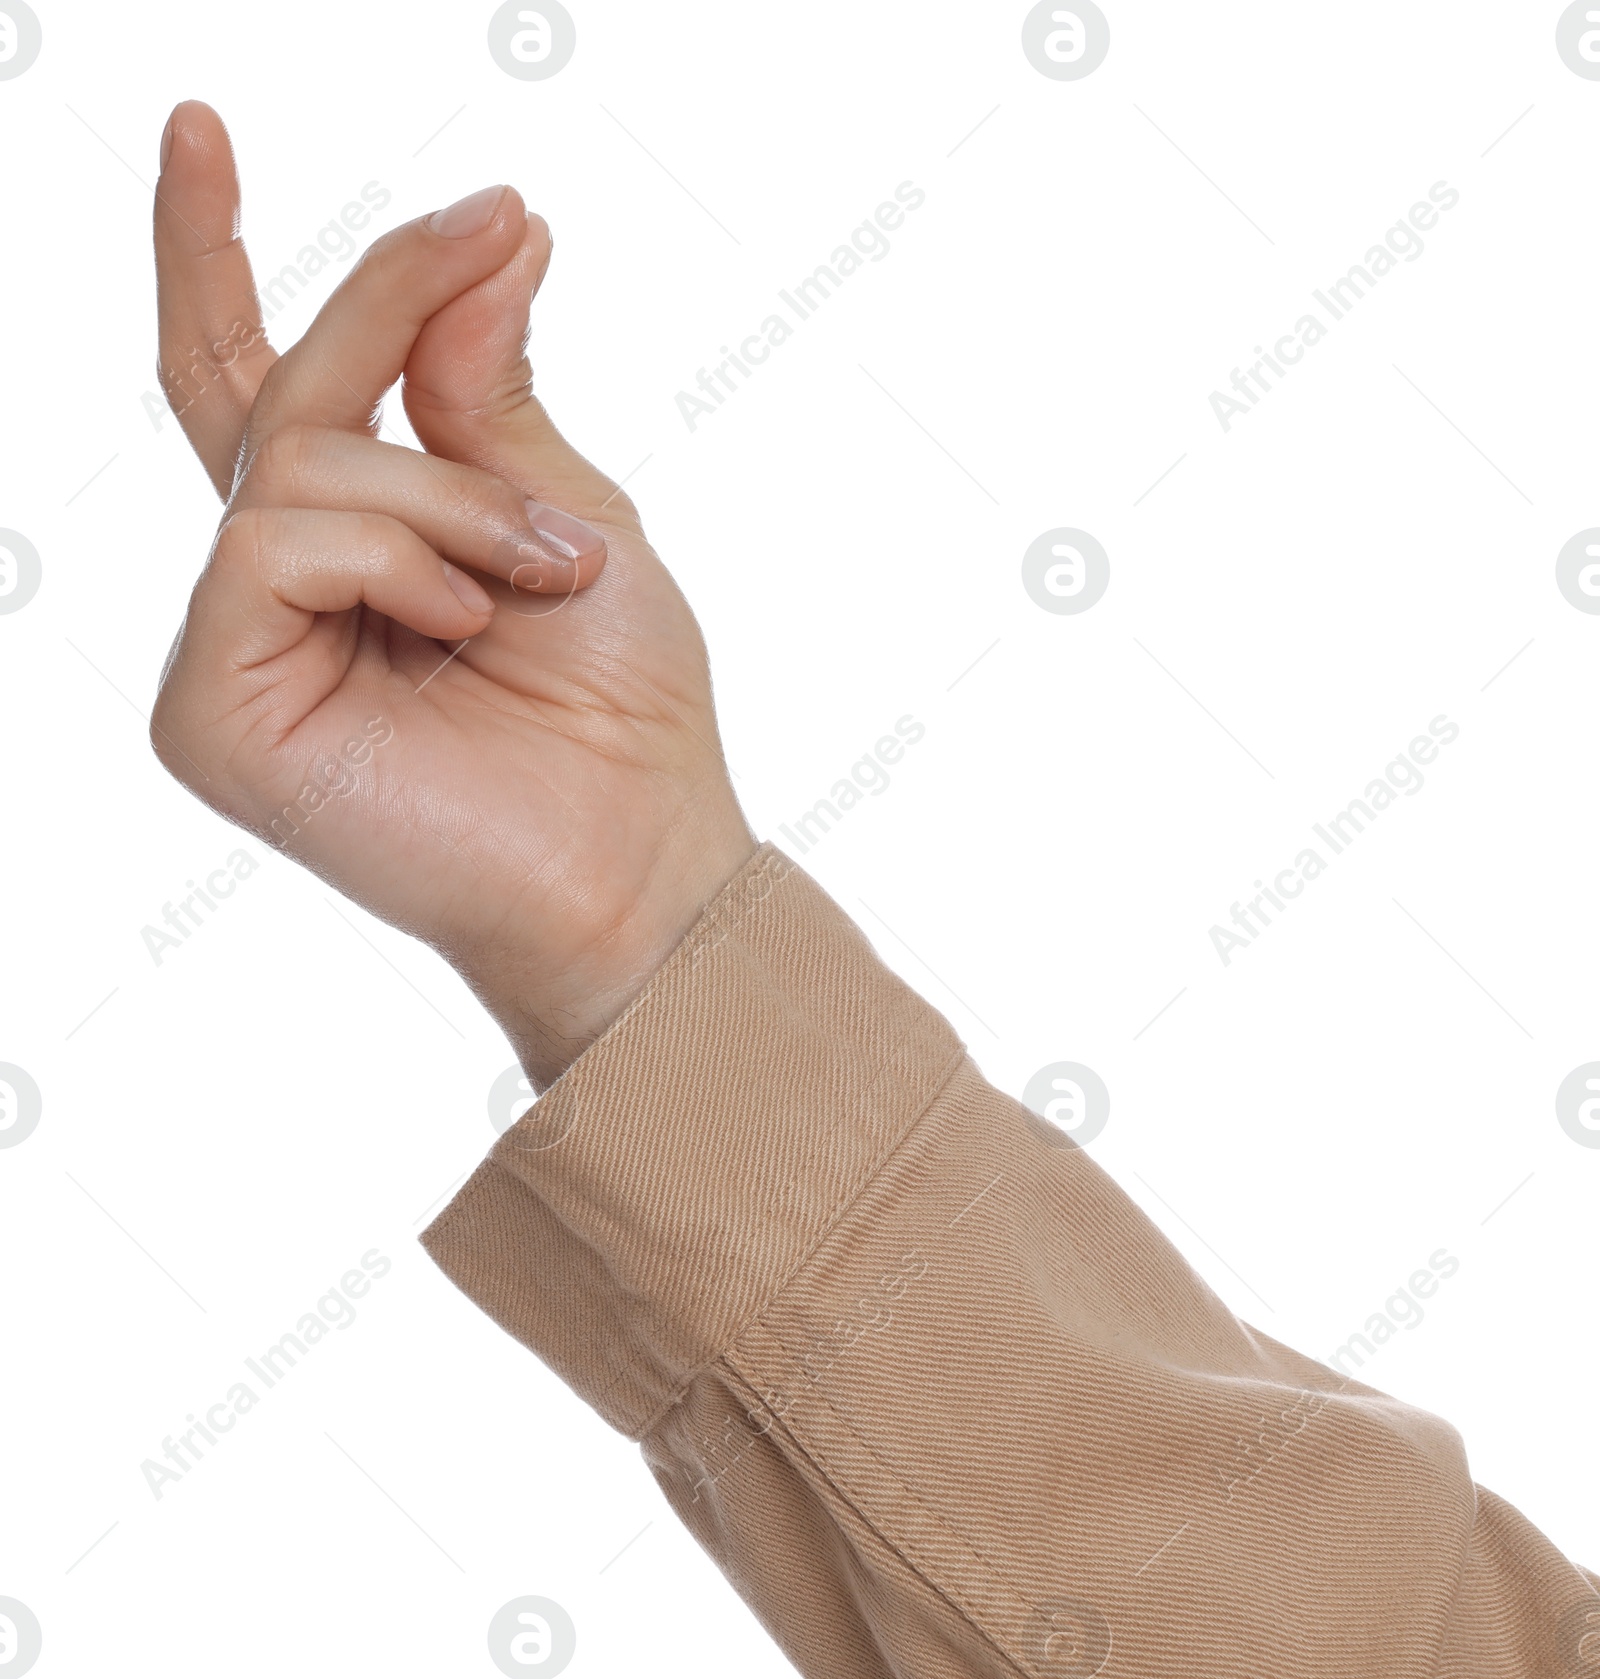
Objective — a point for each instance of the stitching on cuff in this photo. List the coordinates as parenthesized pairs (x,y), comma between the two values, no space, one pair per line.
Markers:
(903,1552)
(830,1222)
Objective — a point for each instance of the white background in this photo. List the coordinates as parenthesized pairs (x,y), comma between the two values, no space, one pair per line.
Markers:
(1288,606)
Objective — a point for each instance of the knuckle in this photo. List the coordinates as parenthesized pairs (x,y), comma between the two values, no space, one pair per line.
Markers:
(620,505)
(377,534)
(453,493)
(244,537)
(164,743)
(157,734)
(495,502)
(285,459)
(271,389)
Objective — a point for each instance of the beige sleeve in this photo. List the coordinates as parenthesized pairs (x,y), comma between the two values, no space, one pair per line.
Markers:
(935,1395)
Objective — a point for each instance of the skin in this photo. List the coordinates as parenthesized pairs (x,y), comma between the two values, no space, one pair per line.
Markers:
(552,810)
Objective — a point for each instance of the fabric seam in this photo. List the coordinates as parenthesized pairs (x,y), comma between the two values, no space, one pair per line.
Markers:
(830,1222)
(873,1526)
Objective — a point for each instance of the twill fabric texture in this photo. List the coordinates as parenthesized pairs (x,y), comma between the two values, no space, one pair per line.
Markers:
(931,1390)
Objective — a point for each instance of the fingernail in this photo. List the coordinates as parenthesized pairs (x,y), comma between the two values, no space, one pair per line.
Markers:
(468,215)
(549,249)
(166,143)
(561,533)
(470,593)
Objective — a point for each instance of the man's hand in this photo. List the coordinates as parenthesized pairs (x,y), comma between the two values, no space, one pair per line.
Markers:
(458,685)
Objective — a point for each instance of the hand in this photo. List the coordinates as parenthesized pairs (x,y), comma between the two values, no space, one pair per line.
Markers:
(458,685)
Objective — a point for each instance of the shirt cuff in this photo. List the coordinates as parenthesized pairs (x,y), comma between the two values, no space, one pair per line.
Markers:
(668,1185)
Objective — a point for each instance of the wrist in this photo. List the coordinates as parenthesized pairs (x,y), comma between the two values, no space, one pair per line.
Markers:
(552,1013)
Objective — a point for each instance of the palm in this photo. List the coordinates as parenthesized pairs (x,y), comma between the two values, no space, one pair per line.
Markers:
(530,767)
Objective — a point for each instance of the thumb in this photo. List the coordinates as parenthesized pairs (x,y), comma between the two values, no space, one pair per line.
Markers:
(468,392)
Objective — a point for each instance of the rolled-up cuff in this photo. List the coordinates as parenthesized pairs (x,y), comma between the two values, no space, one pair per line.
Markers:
(643,1212)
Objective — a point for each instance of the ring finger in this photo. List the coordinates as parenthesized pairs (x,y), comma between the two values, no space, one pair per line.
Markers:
(469,516)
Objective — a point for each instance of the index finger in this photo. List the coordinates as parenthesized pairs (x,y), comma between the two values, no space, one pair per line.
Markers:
(357,346)
(213,347)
